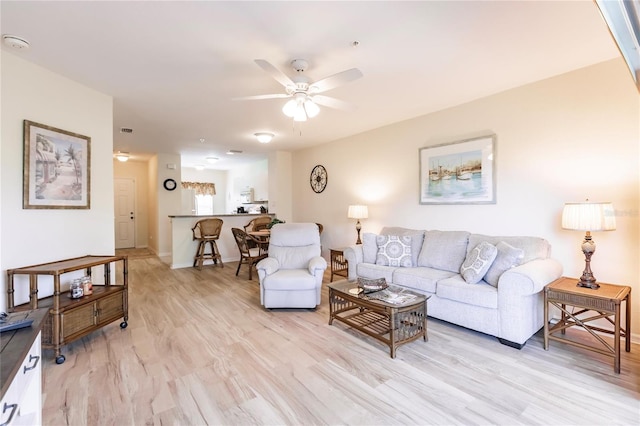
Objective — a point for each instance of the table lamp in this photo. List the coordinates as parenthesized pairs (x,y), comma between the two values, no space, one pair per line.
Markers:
(588,217)
(358,212)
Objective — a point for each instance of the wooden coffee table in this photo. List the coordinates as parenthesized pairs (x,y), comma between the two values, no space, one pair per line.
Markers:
(392,324)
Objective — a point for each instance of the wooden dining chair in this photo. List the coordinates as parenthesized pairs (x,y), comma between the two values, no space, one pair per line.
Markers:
(248,255)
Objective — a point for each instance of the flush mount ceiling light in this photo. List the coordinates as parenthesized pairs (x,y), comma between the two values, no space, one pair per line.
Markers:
(15,42)
(199,167)
(211,160)
(264,137)
(122,156)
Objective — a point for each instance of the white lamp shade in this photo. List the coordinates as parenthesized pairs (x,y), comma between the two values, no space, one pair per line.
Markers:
(300,115)
(289,109)
(589,216)
(264,137)
(358,212)
(311,108)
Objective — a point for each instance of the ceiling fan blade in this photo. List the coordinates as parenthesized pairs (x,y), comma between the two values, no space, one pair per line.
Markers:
(280,77)
(333,103)
(257,97)
(335,80)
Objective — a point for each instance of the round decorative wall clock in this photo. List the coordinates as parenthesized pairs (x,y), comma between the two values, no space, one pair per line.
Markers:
(170,184)
(318,179)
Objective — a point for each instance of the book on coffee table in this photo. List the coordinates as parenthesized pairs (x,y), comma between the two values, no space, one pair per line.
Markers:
(393,295)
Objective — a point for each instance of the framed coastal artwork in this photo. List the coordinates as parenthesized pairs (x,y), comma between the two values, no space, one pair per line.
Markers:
(460,172)
(57,168)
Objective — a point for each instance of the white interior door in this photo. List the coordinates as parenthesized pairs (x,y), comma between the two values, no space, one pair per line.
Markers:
(124,190)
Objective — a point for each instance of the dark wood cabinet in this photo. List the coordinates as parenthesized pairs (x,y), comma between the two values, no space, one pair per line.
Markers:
(70,319)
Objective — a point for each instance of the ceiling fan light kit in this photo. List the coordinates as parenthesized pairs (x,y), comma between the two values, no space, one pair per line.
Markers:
(304,103)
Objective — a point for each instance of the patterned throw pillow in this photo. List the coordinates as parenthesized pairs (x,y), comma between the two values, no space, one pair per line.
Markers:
(478,262)
(508,256)
(394,250)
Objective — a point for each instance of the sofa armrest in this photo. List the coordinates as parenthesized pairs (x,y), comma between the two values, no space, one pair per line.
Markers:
(521,299)
(353,255)
(317,266)
(530,278)
(267,266)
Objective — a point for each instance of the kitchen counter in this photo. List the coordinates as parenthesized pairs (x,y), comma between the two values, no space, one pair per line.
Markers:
(183,247)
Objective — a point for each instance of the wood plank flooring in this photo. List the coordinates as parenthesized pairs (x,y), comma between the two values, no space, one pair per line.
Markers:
(199,349)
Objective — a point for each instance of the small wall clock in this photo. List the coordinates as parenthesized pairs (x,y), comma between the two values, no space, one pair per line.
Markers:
(318,179)
(169,184)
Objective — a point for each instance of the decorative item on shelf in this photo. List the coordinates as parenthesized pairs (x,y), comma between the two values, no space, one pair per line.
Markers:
(588,217)
(358,212)
(87,285)
(371,285)
(76,291)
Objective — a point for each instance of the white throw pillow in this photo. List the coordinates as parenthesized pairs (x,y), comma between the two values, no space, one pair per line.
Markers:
(394,250)
(508,256)
(478,262)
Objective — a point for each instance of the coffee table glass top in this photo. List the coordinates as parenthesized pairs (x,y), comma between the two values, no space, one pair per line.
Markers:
(391,296)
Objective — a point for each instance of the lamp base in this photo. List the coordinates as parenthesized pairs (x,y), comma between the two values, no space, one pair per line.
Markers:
(592,285)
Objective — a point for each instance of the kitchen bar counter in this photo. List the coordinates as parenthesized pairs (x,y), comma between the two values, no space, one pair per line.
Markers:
(183,247)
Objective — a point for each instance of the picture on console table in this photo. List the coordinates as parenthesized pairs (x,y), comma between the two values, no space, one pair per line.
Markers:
(461,172)
(57,168)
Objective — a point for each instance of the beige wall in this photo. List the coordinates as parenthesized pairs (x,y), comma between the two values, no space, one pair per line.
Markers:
(139,172)
(27,237)
(564,139)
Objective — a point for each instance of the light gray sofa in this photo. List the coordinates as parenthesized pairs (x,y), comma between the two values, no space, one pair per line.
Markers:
(507,302)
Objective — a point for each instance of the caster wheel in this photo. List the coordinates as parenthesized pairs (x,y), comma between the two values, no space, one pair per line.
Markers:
(123,324)
(60,359)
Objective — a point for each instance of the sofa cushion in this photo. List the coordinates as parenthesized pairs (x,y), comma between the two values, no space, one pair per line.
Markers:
(417,238)
(457,289)
(478,262)
(507,258)
(394,250)
(422,279)
(533,247)
(371,270)
(369,247)
(444,250)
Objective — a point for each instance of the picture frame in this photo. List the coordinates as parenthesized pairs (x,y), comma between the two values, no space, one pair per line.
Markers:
(57,168)
(461,172)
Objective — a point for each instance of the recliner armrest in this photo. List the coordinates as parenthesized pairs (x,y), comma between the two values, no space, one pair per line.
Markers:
(268,266)
(317,264)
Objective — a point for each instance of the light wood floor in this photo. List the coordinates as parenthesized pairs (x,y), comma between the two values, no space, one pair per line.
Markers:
(200,349)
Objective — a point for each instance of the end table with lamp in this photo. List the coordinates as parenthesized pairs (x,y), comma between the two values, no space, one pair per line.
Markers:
(599,301)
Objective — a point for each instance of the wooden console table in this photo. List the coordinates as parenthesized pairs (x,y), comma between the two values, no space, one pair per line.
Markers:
(604,302)
(70,319)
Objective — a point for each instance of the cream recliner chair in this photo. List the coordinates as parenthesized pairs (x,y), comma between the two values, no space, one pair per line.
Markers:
(291,277)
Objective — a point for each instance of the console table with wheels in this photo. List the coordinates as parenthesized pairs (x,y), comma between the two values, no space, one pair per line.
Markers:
(71,319)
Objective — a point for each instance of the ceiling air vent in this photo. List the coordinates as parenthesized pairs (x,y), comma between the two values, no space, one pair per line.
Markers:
(234,151)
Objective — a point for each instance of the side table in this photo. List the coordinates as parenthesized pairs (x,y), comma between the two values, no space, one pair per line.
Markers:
(602,303)
(339,265)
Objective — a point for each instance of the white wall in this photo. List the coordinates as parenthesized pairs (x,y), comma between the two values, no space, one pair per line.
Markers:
(27,237)
(168,202)
(568,138)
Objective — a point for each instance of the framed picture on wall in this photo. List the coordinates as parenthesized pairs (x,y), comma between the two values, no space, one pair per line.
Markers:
(461,172)
(57,168)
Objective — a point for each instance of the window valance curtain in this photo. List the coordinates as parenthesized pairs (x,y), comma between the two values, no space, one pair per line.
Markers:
(201,188)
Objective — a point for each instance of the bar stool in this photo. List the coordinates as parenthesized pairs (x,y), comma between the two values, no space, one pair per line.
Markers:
(207,231)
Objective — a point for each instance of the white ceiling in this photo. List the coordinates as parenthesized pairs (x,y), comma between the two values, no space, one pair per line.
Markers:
(174,67)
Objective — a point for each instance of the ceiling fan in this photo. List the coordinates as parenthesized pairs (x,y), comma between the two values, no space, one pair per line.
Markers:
(305,95)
